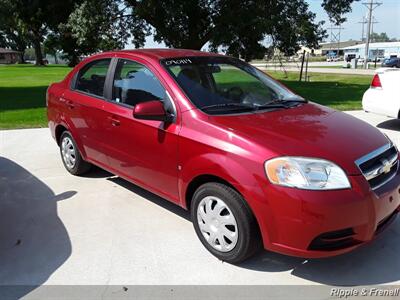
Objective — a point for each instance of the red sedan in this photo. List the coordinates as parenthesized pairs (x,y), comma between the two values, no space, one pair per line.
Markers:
(256,164)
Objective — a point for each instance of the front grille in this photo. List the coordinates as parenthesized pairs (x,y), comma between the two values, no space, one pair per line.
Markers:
(379,166)
(334,240)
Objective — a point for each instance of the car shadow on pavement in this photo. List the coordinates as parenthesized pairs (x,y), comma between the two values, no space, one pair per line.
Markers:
(393,124)
(374,263)
(33,240)
(152,197)
(96,172)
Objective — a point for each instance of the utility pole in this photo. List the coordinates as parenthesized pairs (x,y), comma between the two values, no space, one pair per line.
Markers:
(371,5)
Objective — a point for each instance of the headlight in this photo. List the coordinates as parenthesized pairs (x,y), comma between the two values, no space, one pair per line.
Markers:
(306,173)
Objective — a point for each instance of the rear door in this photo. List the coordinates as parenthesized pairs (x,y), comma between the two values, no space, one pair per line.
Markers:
(86,99)
(144,151)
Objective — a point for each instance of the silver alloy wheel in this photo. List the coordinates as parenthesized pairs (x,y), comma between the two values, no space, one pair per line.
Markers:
(217,223)
(68,152)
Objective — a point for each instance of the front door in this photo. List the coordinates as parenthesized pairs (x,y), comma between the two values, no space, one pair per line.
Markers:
(144,151)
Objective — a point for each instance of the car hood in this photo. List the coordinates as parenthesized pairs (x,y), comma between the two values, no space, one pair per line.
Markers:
(309,130)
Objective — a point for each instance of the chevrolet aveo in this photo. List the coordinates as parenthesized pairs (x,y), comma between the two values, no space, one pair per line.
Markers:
(256,164)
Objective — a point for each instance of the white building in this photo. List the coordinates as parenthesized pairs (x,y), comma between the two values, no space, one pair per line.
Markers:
(376,50)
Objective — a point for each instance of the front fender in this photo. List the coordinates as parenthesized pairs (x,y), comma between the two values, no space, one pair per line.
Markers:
(246,177)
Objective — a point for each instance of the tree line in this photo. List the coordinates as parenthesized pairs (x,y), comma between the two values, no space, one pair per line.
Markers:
(242,28)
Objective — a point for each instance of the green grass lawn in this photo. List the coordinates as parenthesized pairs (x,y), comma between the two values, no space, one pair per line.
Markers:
(342,92)
(23,90)
(23,94)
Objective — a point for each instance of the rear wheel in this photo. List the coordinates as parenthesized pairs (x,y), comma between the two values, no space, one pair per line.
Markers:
(70,155)
(224,223)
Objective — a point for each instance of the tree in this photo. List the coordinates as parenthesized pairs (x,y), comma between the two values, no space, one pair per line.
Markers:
(178,23)
(99,25)
(379,37)
(52,46)
(99,31)
(13,34)
(336,9)
(37,17)
(32,17)
(240,27)
(64,41)
(285,24)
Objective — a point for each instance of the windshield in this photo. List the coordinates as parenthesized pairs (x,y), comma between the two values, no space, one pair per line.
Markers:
(220,85)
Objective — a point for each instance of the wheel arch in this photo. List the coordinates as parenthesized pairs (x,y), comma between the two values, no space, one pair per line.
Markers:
(61,128)
(58,132)
(240,175)
(198,181)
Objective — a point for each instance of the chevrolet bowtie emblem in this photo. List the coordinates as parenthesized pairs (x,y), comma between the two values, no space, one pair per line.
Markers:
(386,166)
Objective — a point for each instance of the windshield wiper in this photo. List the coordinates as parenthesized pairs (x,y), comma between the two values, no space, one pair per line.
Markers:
(295,100)
(235,106)
(281,103)
(277,103)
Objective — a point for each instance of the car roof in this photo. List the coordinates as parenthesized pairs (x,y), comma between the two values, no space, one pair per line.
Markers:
(159,54)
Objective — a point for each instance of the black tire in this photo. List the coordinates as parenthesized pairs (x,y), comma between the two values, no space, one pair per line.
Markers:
(249,238)
(80,166)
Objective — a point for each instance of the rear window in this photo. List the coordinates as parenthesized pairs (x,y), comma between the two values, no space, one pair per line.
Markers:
(92,77)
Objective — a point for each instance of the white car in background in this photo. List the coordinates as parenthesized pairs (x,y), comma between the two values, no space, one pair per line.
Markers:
(383,96)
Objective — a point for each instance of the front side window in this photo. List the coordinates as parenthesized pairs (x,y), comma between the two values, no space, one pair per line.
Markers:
(222,85)
(92,77)
(134,83)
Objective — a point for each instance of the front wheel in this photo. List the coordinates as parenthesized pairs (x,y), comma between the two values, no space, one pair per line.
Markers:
(70,155)
(224,223)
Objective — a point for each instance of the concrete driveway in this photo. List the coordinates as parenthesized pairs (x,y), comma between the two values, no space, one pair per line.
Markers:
(101,230)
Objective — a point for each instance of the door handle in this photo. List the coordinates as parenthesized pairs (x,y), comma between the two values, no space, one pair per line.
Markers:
(70,104)
(114,121)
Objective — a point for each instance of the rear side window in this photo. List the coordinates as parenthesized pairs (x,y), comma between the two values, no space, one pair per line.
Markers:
(134,83)
(92,77)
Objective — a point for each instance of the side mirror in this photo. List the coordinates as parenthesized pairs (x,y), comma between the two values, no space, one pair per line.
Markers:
(151,110)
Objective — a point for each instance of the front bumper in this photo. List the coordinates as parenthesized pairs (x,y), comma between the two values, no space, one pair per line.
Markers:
(315,224)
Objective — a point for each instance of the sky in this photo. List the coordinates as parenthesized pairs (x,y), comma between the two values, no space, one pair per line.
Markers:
(387,15)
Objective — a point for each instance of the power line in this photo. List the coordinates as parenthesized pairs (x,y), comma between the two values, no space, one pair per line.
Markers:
(374,21)
(363,22)
(335,37)
(371,5)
